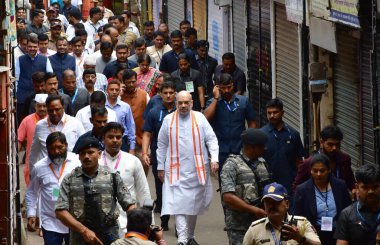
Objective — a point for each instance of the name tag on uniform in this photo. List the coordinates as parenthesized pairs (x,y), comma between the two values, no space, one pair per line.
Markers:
(326,223)
(189,86)
(55,194)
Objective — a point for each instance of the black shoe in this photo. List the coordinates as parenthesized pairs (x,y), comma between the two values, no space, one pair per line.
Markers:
(192,242)
(165,226)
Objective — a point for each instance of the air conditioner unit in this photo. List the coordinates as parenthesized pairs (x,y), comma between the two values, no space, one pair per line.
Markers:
(223,3)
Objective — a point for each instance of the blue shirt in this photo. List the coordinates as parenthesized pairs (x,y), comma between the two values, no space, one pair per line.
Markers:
(284,147)
(124,116)
(153,124)
(229,122)
(325,205)
(169,61)
(153,102)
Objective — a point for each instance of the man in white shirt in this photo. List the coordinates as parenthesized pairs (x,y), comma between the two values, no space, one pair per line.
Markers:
(97,99)
(57,120)
(94,23)
(44,186)
(79,55)
(183,166)
(129,167)
(129,24)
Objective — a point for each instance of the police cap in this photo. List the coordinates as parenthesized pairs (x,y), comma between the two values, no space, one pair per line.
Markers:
(253,136)
(87,142)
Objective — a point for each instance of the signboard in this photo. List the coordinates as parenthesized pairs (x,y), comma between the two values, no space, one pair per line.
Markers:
(320,8)
(294,10)
(346,11)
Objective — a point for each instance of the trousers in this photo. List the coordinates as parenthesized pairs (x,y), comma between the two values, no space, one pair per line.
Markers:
(55,238)
(185,226)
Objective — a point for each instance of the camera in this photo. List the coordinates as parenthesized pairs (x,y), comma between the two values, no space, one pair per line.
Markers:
(153,231)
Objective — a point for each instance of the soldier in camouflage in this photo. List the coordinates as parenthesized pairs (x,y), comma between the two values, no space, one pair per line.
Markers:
(87,199)
(243,178)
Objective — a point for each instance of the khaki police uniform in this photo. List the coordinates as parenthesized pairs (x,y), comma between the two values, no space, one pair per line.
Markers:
(260,232)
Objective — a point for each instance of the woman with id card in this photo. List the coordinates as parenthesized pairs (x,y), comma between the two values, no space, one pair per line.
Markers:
(322,198)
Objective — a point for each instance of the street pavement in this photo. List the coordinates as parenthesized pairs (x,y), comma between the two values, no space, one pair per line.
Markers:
(209,229)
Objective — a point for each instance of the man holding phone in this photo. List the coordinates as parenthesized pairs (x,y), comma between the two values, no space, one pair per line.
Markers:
(280,227)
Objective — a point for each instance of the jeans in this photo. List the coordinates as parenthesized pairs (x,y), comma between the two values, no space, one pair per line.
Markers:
(55,238)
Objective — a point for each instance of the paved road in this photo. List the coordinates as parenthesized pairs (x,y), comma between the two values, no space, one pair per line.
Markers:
(209,229)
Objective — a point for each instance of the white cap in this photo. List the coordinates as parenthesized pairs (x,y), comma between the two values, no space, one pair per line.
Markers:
(90,61)
(40,98)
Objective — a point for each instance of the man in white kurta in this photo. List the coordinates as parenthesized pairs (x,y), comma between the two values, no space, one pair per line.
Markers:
(183,165)
(129,167)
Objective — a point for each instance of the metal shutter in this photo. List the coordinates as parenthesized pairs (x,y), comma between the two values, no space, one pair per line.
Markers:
(346,86)
(287,67)
(368,153)
(157,10)
(239,20)
(259,98)
(215,31)
(176,14)
(200,18)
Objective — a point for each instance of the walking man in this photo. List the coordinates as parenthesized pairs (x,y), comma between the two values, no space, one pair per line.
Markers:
(183,166)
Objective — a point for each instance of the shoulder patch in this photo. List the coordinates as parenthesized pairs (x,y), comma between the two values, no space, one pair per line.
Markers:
(254,223)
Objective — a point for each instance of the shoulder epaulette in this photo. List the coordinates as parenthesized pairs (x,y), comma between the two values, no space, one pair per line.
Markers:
(259,221)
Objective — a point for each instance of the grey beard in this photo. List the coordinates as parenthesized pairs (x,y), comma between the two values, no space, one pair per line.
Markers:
(59,160)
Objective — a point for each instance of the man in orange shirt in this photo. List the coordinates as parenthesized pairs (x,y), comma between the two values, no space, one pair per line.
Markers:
(25,131)
(137,100)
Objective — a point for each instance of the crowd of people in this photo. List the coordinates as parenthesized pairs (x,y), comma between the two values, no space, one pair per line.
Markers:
(99,104)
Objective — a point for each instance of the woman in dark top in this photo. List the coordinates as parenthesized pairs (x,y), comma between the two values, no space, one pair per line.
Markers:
(322,198)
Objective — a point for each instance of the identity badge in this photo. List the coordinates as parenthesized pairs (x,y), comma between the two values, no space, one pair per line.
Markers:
(326,224)
(189,86)
(55,194)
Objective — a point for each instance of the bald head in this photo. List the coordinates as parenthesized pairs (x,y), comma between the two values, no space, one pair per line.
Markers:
(69,81)
(184,94)
(106,38)
(184,103)
(68,73)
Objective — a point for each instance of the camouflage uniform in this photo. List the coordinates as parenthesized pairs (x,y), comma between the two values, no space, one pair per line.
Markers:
(97,209)
(237,177)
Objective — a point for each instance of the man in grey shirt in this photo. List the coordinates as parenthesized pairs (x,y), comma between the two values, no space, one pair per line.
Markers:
(79,96)
(140,49)
(106,50)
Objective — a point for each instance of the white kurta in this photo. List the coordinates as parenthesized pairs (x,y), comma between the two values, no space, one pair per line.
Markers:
(133,175)
(189,197)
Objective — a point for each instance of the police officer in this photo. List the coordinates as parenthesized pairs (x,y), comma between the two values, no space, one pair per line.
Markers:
(242,180)
(87,199)
(280,227)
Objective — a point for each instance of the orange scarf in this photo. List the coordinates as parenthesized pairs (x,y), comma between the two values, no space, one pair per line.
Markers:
(175,164)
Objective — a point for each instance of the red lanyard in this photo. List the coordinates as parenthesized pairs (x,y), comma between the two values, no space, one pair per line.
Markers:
(60,172)
(117,162)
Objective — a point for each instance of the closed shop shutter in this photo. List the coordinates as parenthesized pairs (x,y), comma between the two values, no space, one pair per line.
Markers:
(157,10)
(258,97)
(346,101)
(176,14)
(239,20)
(287,67)
(200,18)
(368,153)
(215,31)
